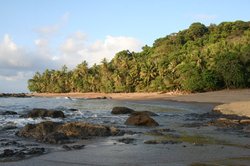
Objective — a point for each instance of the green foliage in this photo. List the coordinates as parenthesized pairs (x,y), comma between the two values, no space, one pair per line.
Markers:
(200,58)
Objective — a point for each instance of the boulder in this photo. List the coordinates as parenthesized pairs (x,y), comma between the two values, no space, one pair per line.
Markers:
(141,120)
(149,113)
(122,110)
(85,130)
(39,131)
(40,112)
(57,133)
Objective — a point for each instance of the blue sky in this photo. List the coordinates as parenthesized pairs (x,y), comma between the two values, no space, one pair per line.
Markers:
(39,34)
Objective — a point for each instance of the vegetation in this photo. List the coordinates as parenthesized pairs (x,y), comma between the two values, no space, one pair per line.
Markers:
(200,58)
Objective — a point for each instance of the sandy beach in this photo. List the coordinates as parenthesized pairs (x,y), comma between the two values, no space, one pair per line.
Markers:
(223,96)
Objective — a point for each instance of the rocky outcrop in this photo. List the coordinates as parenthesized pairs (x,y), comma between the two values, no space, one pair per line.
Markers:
(57,133)
(141,120)
(41,113)
(14,95)
(85,130)
(122,110)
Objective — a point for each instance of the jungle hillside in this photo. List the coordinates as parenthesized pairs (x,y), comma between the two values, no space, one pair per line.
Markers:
(200,58)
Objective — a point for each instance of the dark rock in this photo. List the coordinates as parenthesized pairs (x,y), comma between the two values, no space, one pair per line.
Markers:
(17,154)
(122,110)
(144,113)
(73,147)
(126,140)
(8,113)
(35,151)
(52,132)
(38,131)
(14,95)
(73,109)
(85,130)
(7,153)
(39,112)
(9,143)
(141,120)
(56,138)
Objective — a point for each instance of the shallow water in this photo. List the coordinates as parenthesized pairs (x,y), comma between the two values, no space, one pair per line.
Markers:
(198,144)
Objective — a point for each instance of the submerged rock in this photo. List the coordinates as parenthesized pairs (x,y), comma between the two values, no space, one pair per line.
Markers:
(8,113)
(122,110)
(162,142)
(73,147)
(57,133)
(141,120)
(126,140)
(17,154)
(149,113)
(40,112)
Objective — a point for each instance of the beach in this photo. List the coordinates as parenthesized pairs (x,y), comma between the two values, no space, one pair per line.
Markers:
(223,96)
(186,134)
(241,97)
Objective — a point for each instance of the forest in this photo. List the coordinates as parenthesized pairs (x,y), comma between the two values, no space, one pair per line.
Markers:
(200,58)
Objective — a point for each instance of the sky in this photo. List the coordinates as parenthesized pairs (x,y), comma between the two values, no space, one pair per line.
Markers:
(40,34)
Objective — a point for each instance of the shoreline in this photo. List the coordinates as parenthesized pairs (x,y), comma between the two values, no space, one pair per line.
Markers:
(234,102)
(222,96)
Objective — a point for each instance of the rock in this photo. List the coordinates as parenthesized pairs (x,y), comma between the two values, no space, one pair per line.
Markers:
(56,138)
(122,110)
(73,147)
(126,140)
(245,121)
(224,122)
(141,120)
(58,133)
(40,112)
(8,113)
(14,95)
(73,109)
(144,113)
(7,153)
(85,130)
(38,131)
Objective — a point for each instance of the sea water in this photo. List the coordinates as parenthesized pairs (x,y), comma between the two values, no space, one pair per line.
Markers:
(89,110)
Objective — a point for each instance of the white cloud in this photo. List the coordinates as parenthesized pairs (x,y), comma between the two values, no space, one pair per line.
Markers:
(76,50)
(12,56)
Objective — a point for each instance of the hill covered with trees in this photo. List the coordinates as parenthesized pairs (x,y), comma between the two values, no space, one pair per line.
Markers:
(200,58)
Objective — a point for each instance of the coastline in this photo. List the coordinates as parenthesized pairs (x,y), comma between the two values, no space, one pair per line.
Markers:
(229,101)
(222,96)
(191,130)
